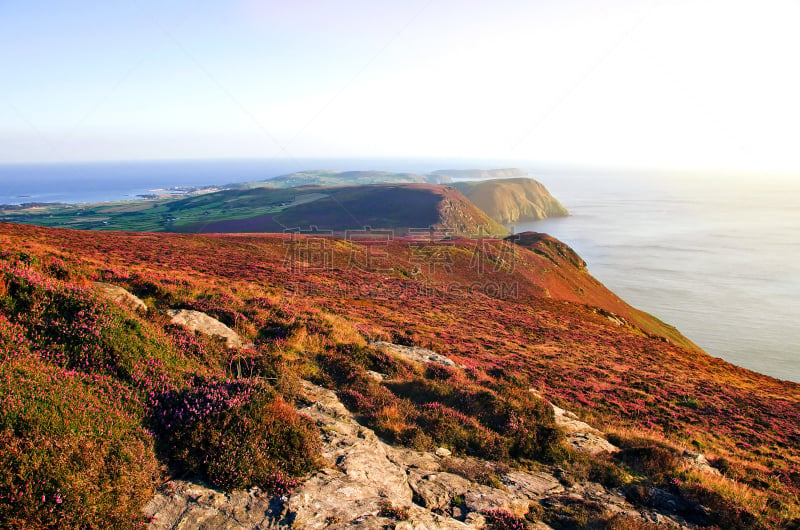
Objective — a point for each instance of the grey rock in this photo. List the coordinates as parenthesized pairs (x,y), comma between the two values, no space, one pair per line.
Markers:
(377,376)
(182,504)
(481,498)
(580,435)
(475,520)
(408,458)
(436,491)
(415,354)
(699,462)
(362,474)
(532,485)
(197,321)
(590,443)
(359,474)
(121,296)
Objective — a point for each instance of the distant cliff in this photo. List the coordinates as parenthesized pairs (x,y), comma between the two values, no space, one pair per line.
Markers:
(513,200)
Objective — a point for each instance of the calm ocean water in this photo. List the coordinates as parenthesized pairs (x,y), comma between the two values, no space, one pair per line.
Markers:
(718,259)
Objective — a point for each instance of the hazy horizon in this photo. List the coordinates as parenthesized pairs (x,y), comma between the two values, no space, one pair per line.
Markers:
(342,163)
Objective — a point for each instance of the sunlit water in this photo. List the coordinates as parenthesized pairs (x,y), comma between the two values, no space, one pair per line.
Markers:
(718,259)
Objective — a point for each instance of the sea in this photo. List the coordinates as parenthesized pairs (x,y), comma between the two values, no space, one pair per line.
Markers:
(716,256)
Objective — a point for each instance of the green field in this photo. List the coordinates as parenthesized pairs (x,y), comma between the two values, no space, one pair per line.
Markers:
(202,206)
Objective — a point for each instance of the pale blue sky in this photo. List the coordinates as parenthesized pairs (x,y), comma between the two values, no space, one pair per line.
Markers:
(665,84)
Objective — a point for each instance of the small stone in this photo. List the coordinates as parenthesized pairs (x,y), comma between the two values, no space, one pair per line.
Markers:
(475,520)
(443,452)
(377,376)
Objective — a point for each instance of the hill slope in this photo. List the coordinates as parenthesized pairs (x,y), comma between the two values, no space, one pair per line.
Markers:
(398,207)
(381,206)
(513,200)
(513,315)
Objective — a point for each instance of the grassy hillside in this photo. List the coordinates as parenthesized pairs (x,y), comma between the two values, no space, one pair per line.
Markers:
(387,206)
(512,200)
(97,399)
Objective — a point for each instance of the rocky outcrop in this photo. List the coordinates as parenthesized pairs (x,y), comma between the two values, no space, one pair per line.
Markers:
(699,462)
(197,321)
(121,296)
(580,435)
(532,485)
(187,505)
(363,475)
(368,484)
(415,354)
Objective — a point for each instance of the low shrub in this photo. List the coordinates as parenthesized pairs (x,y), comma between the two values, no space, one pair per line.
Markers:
(460,432)
(68,326)
(384,363)
(441,373)
(574,513)
(719,511)
(236,434)
(388,510)
(64,320)
(475,470)
(208,350)
(71,455)
(264,364)
(580,467)
(655,461)
(627,522)
(503,520)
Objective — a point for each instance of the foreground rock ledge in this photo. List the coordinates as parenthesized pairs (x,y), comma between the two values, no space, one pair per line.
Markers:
(362,474)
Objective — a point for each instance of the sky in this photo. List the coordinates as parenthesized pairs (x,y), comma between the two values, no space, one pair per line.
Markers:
(672,84)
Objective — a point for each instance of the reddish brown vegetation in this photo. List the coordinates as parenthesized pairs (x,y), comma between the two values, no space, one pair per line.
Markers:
(526,315)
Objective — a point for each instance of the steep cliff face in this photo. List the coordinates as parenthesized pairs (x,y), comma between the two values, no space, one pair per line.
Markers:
(509,201)
(549,247)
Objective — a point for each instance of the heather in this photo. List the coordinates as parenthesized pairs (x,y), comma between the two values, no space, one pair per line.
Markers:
(72,454)
(100,404)
(220,413)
